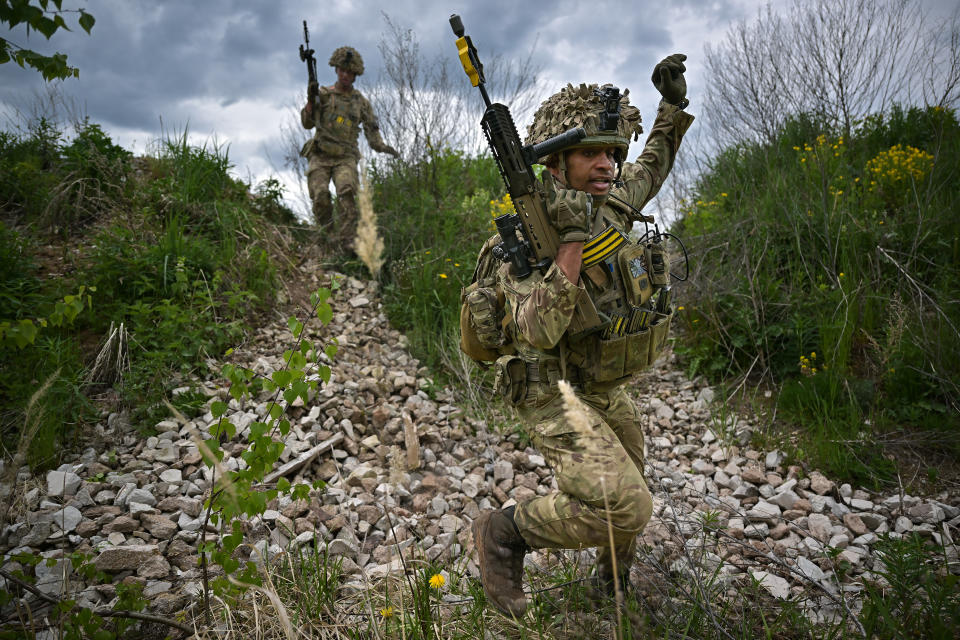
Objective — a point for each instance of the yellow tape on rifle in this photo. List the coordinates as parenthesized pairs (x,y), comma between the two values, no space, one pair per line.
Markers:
(464,50)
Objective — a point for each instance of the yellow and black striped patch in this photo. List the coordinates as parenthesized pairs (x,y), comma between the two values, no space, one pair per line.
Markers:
(602,246)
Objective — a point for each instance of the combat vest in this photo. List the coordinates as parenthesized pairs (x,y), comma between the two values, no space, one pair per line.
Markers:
(338,122)
(618,275)
(621,277)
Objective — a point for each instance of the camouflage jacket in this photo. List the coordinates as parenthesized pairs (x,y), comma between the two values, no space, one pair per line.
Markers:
(542,304)
(337,117)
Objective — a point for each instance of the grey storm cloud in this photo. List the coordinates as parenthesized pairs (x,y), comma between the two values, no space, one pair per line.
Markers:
(230,68)
(145,60)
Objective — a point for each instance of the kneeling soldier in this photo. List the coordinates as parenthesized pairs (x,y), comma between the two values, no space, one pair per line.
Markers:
(597,461)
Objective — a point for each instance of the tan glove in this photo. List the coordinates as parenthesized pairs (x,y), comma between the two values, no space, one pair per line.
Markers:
(570,210)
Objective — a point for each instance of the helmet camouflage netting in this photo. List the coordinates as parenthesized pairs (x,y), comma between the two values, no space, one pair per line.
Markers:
(581,107)
(347,58)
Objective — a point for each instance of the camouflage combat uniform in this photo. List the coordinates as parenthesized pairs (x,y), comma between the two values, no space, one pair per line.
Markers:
(333,152)
(607,457)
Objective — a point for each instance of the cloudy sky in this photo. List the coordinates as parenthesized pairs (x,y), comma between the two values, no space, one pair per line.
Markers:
(230,70)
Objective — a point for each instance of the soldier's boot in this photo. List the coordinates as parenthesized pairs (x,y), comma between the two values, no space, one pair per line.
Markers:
(605,574)
(500,551)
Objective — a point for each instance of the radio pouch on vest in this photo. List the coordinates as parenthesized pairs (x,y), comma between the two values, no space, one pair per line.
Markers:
(636,277)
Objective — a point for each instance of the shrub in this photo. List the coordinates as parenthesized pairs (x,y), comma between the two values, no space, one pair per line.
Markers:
(434,217)
(842,247)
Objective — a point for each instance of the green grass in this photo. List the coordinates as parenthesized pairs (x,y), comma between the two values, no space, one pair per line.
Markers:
(918,595)
(171,246)
(433,217)
(830,267)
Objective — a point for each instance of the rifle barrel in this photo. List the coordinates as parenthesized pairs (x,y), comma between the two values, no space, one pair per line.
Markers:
(554,144)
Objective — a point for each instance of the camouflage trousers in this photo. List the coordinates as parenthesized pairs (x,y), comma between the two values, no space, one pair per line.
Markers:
(604,455)
(346,180)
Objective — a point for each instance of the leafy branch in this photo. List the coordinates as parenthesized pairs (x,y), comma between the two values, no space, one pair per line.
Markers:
(45,17)
(242,494)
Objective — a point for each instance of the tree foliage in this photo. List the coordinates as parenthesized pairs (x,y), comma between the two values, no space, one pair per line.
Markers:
(45,17)
(839,59)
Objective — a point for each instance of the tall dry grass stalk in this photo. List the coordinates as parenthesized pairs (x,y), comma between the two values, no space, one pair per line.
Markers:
(369,244)
(33,416)
(573,408)
(113,359)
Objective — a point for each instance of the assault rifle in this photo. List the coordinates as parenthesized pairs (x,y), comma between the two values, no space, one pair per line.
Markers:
(528,240)
(306,55)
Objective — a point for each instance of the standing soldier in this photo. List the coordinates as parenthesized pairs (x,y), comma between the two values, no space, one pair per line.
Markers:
(593,198)
(337,113)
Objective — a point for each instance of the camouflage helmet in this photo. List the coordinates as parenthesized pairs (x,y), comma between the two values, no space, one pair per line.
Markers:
(581,107)
(348,59)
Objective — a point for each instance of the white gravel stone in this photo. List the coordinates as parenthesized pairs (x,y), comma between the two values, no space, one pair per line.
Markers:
(774,584)
(809,569)
(502,470)
(173,476)
(62,483)
(765,512)
(820,526)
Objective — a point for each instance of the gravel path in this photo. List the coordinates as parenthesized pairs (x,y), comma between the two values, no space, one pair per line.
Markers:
(394,453)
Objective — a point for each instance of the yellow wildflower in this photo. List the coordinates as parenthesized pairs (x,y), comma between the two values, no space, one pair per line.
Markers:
(386,612)
(443,275)
(437,581)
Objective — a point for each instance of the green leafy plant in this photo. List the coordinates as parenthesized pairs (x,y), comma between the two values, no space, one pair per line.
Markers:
(825,240)
(45,17)
(917,595)
(237,495)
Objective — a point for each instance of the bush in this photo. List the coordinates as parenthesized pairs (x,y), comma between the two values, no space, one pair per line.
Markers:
(842,248)
(434,217)
(181,257)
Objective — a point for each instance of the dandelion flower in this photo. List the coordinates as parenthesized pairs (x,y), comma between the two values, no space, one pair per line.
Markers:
(680,308)
(386,612)
(443,276)
(437,581)
(456,264)
(427,252)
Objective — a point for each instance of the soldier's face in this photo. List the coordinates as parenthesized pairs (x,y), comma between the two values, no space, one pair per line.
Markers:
(590,169)
(345,78)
